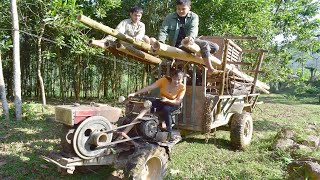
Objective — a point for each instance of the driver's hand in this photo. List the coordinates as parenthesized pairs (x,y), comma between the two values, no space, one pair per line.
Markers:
(131,95)
(164,99)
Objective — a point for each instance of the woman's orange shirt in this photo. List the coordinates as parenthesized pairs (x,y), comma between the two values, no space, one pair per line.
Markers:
(163,84)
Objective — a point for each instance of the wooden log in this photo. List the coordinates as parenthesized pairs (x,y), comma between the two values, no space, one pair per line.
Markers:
(128,49)
(192,47)
(111,46)
(259,84)
(173,52)
(97,43)
(113,32)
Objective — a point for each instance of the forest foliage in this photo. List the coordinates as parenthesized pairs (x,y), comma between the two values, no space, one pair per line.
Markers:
(72,69)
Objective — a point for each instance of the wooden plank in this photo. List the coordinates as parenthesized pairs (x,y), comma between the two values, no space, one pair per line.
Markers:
(235,59)
(235,45)
(198,107)
(255,50)
(252,71)
(213,87)
(240,63)
(214,80)
(232,50)
(230,37)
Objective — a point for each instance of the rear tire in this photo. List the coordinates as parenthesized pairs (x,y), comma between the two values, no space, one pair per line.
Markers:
(241,130)
(148,162)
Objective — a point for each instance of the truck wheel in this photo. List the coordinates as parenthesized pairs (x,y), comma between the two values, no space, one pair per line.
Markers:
(149,162)
(241,130)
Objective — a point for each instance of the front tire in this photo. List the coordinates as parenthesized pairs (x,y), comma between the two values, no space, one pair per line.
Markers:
(148,162)
(241,130)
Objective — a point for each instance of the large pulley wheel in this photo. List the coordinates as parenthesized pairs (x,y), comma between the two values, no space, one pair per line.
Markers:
(85,140)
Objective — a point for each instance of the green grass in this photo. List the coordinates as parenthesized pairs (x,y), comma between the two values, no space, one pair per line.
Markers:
(217,160)
(23,143)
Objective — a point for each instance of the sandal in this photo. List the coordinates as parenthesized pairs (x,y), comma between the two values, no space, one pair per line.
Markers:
(173,138)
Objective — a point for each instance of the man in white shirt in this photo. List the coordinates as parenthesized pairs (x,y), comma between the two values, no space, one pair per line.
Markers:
(133,26)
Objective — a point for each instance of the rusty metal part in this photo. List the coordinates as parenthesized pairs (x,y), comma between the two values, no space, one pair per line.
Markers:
(142,113)
(99,138)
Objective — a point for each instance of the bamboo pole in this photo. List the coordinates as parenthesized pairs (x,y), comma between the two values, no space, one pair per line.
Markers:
(193,47)
(113,32)
(111,46)
(128,49)
(97,43)
(173,52)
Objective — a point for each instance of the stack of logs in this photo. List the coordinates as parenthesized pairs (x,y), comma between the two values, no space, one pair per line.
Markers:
(144,52)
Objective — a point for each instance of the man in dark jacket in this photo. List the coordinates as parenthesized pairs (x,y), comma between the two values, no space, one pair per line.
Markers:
(184,24)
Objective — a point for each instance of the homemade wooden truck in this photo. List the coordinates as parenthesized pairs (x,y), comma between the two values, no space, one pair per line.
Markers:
(96,134)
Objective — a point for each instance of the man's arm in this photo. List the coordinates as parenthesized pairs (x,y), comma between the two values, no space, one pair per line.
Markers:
(141,32)
(163,34)
(194,26)
(121,27)
(145,89)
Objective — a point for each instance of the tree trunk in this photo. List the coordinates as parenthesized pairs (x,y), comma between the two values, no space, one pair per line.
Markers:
(43,94)
(145,75)
(105,77)
(114,79)
(16,61)
(60,74)
(3,93)
(77,79)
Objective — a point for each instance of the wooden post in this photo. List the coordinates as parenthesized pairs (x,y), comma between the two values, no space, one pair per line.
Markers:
(184,110)
(261,56)
(225,54)
(194,80)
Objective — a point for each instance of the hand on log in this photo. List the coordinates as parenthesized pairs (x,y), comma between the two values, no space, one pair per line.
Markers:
(190,45)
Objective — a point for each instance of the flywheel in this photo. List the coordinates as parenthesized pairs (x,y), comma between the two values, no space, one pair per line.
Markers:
(89,135)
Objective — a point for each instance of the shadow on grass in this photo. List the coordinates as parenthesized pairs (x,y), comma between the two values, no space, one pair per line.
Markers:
(218,142)
(265,125)
(289,99)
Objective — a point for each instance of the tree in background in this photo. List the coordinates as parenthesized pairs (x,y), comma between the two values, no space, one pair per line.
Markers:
(71,69)
(16,60)
(3,92)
